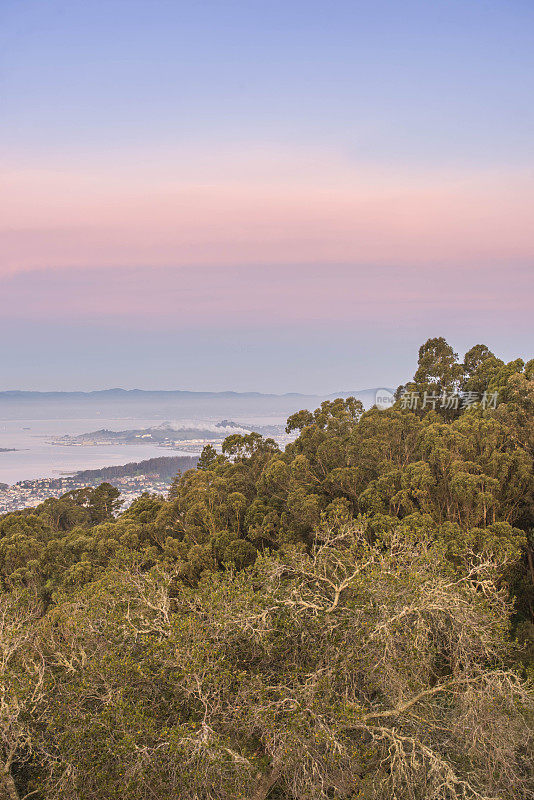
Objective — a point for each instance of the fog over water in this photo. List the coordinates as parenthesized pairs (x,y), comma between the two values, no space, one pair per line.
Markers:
(36,457)
(29,420)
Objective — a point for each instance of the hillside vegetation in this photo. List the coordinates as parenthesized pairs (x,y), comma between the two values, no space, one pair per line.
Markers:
(352,617)
(164,467)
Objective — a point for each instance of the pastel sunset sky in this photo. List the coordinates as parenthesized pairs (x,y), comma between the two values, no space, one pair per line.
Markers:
(272,196)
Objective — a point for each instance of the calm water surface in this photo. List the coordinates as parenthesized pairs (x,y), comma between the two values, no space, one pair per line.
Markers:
(36,458)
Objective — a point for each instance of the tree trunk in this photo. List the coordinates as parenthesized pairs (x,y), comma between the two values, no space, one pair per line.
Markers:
(530,562)
(9,790)
(265,784)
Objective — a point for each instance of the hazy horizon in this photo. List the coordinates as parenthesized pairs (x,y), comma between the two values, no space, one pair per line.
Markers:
(383,364)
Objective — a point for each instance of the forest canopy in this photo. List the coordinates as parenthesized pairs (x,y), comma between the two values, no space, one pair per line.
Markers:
(351,617)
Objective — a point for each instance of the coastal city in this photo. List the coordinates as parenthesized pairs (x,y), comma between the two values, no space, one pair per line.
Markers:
(133,479)
(27,494)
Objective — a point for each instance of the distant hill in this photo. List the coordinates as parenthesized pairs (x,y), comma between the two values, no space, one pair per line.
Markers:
(166,467)
(126,394)
(165,434)
(165,404)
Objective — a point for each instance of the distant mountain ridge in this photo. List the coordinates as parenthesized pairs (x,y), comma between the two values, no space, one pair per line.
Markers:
(163,404)
(22,394)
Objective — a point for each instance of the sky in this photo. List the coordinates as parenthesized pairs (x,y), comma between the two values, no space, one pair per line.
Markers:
(264,196)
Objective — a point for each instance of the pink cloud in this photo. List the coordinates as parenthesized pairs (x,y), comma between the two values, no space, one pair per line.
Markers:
(296,212)
(174,298)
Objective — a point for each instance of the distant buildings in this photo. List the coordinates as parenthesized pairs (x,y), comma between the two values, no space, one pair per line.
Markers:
(27,494)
